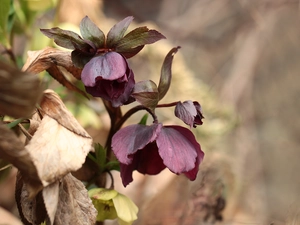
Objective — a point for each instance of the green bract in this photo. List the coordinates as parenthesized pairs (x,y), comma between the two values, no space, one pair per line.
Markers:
(112,205)
(93,41)
(146,93)
(166,73)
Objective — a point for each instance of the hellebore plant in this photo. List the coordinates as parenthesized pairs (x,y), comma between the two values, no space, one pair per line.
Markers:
(149,149)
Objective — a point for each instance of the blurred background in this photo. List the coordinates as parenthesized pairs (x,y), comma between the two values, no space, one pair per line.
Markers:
(241,60)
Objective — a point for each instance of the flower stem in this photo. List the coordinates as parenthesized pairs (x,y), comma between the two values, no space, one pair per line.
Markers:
(167,105)
(115,115)
(133,110)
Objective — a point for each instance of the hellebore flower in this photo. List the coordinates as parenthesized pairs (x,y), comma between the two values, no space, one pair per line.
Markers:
(111,205)
(109,77)
(189,112)
(150,149)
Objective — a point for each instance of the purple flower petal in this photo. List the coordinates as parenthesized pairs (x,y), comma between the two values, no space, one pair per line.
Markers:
(192,174)
(178,148)
(130,139)
(189,112)
(186,111)
(145,161)
(109,77)
(199,116)
(118,93)
(110,66)
(126,173)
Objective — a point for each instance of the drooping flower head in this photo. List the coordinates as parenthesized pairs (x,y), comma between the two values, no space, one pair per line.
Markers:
(189,112)
(106,73)
(109,77)
(150,149)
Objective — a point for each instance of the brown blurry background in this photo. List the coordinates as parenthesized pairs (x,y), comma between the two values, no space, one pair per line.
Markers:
(241,60)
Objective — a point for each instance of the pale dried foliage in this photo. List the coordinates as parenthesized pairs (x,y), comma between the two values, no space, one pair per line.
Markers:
(19,91)
(58,145)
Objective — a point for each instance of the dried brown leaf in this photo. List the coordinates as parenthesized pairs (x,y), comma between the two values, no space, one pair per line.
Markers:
(41,60)
(51,60)
(34,125)
(60,145)
(53,106)
(51,199)
(13,150)
(74,206)
(19,91)
(63,202)
(31,210)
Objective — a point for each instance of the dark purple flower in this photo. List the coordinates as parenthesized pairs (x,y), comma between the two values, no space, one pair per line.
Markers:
(189,112)
(150,149)
(109,77)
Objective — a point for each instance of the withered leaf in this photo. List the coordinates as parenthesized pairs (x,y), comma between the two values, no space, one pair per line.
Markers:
(53,60)
(19,91)
(63,202)
(51,199)
(13,150)
(60,144)
(74,206)
(31,210)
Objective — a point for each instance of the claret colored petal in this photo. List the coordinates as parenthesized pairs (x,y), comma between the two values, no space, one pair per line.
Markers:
(110,66)
(178,148)
(189,112)
(130,139)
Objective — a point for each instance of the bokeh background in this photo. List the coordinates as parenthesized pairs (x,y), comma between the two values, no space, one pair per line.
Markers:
(241,60)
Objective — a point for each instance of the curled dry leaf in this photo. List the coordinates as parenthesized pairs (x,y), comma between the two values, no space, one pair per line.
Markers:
(19,91)
(31,210)
(13,150)
(60,144)
(63,202)
(54,61)
(74,206)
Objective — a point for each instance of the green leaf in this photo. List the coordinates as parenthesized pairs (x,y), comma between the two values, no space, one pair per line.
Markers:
(112,165)
(100,155)
(166,73)
(118,31)
(143,121)
(146,93)
(91,32)
(4,13)
(93,158)
(80,58)
(137,37)
(128,53)
(65,38)
(14,123)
